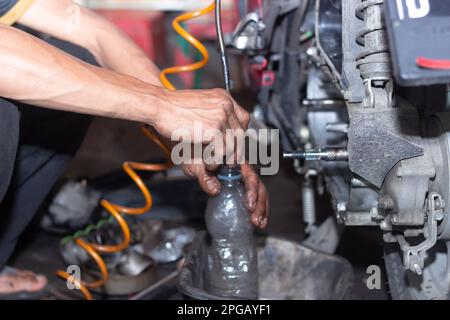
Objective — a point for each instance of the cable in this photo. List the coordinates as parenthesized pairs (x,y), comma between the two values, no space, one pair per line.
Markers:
(223,54)
(118,211)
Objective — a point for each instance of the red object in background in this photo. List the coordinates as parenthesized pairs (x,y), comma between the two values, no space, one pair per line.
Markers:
(181,59)
(256,5)
(261,76)
(146,28)
(433,63)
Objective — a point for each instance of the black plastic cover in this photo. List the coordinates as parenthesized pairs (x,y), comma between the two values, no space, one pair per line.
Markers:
(418,28)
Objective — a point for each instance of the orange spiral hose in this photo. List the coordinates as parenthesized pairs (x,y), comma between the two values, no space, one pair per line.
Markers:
(117,211)
(176,24)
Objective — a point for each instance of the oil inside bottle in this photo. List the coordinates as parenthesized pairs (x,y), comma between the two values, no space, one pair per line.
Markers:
(232,260)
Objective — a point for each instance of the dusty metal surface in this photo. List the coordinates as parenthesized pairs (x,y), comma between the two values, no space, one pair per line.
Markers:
(287,271)
(291,271)
(374,148)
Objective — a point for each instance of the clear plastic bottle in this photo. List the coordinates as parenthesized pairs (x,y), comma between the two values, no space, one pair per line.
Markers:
(232,269)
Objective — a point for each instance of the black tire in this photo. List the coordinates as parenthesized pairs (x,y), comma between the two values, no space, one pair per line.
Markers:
(433,284)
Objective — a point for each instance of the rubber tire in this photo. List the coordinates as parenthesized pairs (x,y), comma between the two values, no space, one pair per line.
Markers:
(399,279)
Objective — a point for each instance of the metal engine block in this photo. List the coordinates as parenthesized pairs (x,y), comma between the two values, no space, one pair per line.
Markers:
(384,155)
(396,176)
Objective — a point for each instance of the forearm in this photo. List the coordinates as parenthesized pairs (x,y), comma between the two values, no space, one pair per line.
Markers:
(112,48)
(119,53)
(116,51)
(37,73)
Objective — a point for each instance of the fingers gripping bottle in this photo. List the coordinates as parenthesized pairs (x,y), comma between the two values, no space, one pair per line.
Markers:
(232,261)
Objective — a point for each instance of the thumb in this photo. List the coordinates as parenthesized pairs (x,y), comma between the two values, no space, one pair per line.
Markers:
(207,180)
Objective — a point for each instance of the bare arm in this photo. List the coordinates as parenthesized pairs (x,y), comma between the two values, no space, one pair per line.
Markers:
(116,51)
(39,74)
(34,72)
(113,49)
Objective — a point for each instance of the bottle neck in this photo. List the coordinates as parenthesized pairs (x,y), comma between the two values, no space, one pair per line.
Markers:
(230,183)
(229,176)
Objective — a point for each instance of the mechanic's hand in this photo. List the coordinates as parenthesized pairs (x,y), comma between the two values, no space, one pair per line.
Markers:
(257,199)
(214,109)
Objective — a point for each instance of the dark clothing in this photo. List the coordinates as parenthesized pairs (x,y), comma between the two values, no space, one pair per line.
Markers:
(6,5)
(35,147)
(9,140)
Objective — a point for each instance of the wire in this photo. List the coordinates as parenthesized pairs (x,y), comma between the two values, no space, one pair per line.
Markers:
(223,54)
(117,211)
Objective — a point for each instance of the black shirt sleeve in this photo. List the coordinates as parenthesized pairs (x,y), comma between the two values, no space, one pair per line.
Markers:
(6,5)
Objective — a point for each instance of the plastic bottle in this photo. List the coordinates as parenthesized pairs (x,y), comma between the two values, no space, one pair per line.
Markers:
(232,269)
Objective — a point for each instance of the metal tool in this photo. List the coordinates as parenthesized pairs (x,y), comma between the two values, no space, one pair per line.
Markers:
(318,155)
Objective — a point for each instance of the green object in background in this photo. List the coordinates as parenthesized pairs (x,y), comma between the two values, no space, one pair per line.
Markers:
(86,231)
(306,36)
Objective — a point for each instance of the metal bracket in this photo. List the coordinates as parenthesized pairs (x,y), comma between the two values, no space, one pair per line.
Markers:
(414,256)
(369,101)
(248,33)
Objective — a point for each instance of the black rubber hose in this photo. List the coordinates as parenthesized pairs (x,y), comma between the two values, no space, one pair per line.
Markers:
(291,89)
(223,54)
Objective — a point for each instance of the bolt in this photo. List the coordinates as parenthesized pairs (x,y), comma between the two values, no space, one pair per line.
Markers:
(417,269)
(386,202)
(318,155)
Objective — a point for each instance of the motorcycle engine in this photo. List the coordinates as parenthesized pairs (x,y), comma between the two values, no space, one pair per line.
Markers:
(382,148)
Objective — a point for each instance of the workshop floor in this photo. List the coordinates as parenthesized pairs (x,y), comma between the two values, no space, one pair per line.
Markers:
(110,142)
(107,145)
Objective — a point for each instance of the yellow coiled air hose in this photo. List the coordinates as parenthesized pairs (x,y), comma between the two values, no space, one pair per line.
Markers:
(117,211)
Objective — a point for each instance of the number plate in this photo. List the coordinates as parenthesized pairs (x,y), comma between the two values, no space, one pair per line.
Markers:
(419,29)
